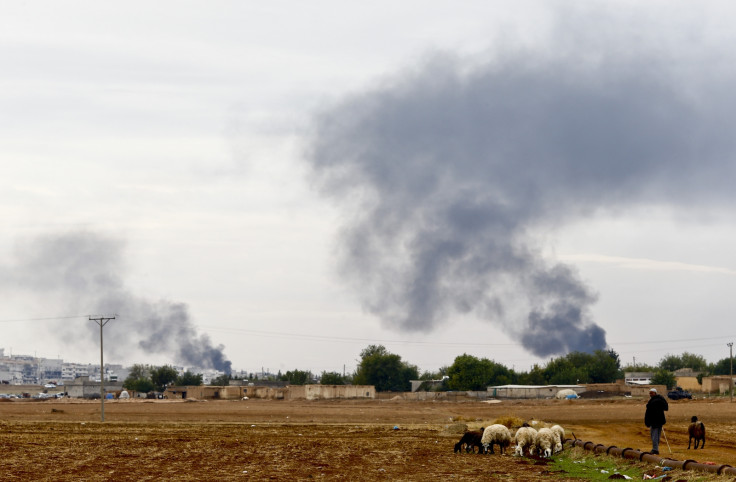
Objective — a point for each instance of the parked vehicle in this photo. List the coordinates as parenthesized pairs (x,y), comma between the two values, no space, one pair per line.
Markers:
(679,393)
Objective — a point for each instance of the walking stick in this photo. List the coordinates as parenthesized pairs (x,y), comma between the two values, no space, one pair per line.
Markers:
(665,439)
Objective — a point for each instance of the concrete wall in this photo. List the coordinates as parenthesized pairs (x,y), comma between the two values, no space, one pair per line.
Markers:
(717,384)
(205,392)
(643,391)
(295,392)
(689,383)
(523,392)
(319,392)
(273,393)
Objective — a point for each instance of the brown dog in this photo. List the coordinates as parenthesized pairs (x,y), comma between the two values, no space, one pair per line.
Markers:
(696,431)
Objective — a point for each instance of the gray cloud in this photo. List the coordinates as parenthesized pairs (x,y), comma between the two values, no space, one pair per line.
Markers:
(446,173)
(85,270)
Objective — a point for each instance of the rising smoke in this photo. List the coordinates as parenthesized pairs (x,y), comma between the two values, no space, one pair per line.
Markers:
(448,173)
(85,271)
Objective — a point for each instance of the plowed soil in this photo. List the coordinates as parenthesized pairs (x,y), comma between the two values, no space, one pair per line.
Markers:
(347,439)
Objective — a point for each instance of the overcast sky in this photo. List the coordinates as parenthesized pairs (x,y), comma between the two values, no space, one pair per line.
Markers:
(280,185)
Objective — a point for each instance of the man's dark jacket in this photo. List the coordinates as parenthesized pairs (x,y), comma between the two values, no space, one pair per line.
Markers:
(654,416)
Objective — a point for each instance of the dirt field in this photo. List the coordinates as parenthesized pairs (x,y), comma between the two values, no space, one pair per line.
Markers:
(350,440)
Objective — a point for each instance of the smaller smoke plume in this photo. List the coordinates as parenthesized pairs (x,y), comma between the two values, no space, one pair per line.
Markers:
(83,270)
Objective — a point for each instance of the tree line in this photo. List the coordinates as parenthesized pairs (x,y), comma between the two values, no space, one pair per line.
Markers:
(147,378)
(388,372)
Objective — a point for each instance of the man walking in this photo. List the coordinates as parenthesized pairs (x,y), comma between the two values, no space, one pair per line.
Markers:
(654,417)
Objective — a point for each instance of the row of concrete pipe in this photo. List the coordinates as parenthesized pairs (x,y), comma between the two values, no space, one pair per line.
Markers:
(635,454)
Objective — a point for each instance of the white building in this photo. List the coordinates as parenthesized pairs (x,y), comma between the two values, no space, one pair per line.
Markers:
(638,378)
(70,371)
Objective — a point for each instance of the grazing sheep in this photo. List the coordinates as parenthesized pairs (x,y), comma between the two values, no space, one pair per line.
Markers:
(560,432)
(524,440)
(496,434)
(696,431)
(544,441)
(469,441)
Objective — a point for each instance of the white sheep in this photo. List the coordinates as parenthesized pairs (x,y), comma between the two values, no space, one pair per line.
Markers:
(544,441)
(524,440)
(560,432)
(496,434)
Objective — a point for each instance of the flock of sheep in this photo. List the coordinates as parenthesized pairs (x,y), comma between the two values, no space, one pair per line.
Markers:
(527,440)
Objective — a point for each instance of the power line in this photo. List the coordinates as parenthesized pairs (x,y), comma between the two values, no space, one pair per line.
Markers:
(433,343)
(44,319)
(345,339)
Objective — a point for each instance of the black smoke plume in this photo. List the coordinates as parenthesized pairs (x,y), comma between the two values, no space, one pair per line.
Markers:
(448,174)
(85,271)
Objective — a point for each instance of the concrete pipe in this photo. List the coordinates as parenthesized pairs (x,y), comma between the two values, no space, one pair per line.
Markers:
(613,450)
(629,453)
(635,454)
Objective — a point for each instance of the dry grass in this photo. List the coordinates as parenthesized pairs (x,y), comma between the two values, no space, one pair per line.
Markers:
(512,422)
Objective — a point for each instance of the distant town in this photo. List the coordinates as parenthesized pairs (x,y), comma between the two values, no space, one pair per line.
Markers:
(33,370)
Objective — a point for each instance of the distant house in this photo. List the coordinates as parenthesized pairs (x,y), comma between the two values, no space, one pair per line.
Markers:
(530,391)
(83,387)
(718,384)
(687,378)
(638,378)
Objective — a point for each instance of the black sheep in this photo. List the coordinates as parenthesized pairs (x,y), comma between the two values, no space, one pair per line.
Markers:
(470,440)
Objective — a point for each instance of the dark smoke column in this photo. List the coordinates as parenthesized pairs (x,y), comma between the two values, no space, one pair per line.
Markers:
(84,270)
(443,184)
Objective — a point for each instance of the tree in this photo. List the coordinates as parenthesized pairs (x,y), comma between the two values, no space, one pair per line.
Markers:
(639,367)
(722,367)
(331,378)
(296,377)
(686,360)
(696,362)
(664,377)
(605,367)
(535,376)
(143,385)
(384,370)
(221,381)
(471,373)
(163,376)
(601,366)
(189,379)
(139,379)
(568,370)
(442,372)
(139,371)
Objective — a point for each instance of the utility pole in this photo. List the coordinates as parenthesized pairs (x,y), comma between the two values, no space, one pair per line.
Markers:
(102,321)
(730,356)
